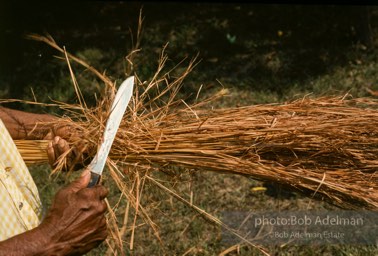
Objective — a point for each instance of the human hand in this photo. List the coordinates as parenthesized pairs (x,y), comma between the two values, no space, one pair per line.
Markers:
(75,223)
(74,157)
(67,144)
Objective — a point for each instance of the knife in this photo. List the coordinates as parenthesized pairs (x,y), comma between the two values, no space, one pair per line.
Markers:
(121,100)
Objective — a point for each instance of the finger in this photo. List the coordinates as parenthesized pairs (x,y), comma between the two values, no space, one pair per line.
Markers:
(104,222)
(62,145)
(55,142)
(82,181)
(101,206)
(96,193)
(101,191)
(54,150)
(102,227)
(51,153)
(63,149)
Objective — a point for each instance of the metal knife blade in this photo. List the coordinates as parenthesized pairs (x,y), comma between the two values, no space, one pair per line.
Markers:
(121,100)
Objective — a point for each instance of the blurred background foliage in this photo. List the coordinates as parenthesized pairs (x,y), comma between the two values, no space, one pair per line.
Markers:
(272,51)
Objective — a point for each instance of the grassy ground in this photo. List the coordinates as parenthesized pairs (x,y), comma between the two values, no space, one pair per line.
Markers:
(256,65)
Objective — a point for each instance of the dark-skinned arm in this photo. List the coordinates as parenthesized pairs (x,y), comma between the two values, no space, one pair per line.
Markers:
(25,125)
(30,126)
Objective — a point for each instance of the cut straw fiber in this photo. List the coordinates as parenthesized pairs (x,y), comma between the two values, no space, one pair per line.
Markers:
(325,148)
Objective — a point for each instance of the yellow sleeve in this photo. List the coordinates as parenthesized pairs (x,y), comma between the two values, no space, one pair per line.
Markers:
(20,207)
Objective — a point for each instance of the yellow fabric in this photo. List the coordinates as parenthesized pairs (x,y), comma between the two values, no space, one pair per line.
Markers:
(20,206)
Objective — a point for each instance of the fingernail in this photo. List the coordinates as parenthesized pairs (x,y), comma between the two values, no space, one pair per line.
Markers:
(56,139)
(61,144)
(85,172)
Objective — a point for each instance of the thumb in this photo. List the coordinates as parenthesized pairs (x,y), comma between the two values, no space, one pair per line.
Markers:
(82,181)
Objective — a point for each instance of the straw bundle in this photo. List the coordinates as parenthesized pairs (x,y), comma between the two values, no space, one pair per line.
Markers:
(325,147)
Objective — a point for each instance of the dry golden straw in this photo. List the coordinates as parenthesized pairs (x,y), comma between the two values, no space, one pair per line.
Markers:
(325,148)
